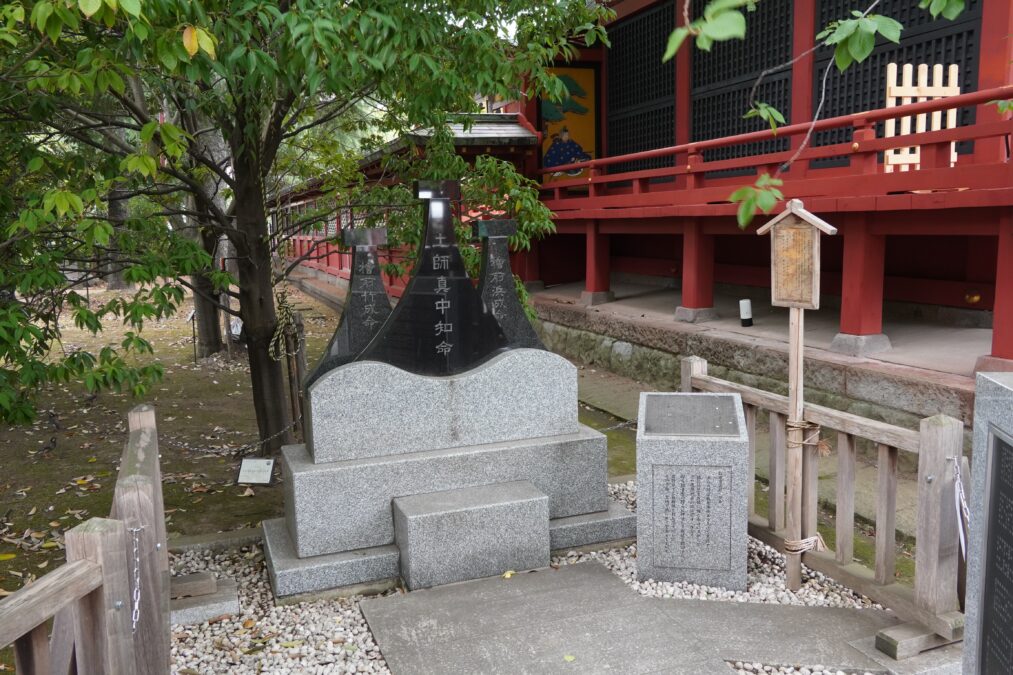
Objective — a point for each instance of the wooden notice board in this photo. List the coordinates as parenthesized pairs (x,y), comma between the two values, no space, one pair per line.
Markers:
(795,257)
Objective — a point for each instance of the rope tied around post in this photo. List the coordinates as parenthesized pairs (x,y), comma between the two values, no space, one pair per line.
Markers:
(812,440)
(800,546)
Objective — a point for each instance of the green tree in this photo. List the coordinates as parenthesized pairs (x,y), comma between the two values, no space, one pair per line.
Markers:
(151,87)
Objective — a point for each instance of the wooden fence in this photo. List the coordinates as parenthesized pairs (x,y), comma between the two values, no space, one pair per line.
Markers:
(932,607)
(110,602)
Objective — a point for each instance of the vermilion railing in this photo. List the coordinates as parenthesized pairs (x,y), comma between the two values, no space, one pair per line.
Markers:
(642,188)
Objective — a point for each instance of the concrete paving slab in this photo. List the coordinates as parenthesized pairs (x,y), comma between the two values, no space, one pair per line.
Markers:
(620,640)
(942,661)
(455,611)
(781,634)
(533,623)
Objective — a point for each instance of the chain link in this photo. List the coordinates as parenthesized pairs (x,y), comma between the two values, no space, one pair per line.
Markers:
(135,612)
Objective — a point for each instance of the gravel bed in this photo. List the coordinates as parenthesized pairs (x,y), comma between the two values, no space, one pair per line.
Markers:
(331,636)
(327,636)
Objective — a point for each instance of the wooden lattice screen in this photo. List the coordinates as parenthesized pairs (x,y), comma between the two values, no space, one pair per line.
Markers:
(906,91)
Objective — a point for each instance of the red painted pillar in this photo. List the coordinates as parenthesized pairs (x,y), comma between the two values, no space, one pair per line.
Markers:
(861,290)
(597,263)
(803,38)
(995,68)
(697,275)
(1002,317)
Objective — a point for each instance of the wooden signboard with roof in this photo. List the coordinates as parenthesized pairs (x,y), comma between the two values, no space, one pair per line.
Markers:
(795,283)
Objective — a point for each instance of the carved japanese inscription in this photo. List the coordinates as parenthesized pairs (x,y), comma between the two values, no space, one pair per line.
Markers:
(997,587)
(794,251)
(692,516)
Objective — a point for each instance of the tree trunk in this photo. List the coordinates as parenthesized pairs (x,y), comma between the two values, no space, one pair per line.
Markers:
(118,211)
(256,306)
(206,314)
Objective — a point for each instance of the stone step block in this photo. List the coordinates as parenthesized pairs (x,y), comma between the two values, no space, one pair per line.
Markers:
(519,394)
(200,608)
(291,574)
(599,527)
(341,506)
(469,533)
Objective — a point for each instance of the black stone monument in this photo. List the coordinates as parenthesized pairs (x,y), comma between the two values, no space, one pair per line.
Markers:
(367,306)
(496,285)
(440,326)
(997,580)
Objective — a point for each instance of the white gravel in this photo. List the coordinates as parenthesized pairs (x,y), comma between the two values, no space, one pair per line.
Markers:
(331,636)
(327,636)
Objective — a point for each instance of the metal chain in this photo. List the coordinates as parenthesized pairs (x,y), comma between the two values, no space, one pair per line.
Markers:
(621,425)
(135,613)
(963,514)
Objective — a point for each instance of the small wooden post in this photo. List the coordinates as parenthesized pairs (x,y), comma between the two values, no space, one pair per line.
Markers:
(692,366)
(31,651)
(886,514)
(102,634)
(137,501)
(937,554)
(845,498)
(795,283)
(775,494)
(750,411)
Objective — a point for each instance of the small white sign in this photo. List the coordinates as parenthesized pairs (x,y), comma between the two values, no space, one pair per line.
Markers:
(255,471)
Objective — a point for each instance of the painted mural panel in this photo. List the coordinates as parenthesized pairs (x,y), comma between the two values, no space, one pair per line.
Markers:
(570,127)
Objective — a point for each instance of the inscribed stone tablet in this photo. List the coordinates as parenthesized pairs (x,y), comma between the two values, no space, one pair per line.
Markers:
(794,259)
(997,588)
(692,517)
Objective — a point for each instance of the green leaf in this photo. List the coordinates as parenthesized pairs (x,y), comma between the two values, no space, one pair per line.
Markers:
(725,26)
(888,28)
(861,44)
(206,42)
(936,7)
(953,9)
(89,7)
(745,212)
(842,57)
(675,41)
(131,7)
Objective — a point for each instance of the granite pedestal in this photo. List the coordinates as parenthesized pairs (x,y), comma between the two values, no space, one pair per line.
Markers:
(472,532)
(522,393)
(692,477)
(988,631)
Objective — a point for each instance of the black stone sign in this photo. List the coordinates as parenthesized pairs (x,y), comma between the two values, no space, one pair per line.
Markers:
(997,585)
(496,285)
(440,326)
(367,305)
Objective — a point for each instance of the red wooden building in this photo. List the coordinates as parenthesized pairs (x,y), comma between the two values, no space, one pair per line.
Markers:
(671,145)
(667,145)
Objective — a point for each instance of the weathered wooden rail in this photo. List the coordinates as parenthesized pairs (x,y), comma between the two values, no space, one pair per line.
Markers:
(110,602)
(932,607)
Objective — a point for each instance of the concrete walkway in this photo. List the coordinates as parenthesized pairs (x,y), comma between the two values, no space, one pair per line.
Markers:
(919,343)
(583,619)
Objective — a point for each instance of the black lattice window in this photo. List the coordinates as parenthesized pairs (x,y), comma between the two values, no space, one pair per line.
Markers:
(863,85)
(640,104)
(724,76)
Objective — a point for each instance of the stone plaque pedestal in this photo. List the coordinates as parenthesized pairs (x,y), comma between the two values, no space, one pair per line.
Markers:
(692,477)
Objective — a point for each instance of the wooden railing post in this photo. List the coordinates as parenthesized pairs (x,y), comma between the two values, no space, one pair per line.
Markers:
(750,411)
(886,514)
(778,453)
(845,519)
(31,652)
(936,554)
(863,161)
(102,634)
(694,177)
(137,501)
(692,366)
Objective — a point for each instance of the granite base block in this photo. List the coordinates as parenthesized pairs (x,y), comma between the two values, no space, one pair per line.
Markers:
(198,609)
(860,345)
(476,532)
(616,523)
(692,478)
(522,393)
(341,506)
(291,574)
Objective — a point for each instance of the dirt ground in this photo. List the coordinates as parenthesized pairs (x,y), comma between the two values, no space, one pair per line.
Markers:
(61,470)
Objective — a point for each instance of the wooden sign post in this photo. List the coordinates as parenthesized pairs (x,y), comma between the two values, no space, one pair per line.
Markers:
(795,283)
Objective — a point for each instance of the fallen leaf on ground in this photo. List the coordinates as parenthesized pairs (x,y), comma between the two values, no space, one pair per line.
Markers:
(508,574)
(248,492)
(569,657)
(7,556)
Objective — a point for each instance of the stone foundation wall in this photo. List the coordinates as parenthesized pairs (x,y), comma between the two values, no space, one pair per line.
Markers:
(649,350)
